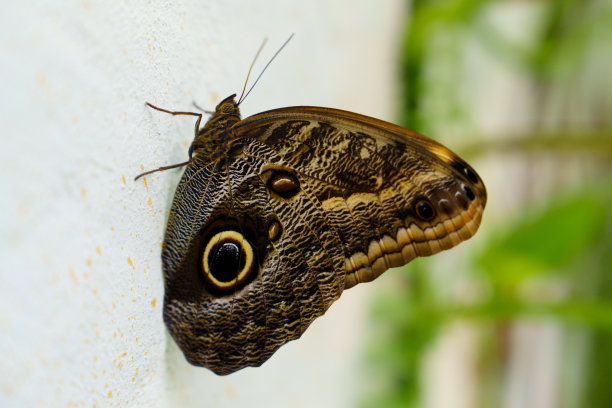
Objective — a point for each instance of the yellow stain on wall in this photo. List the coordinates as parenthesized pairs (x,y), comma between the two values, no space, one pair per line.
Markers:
(73,276)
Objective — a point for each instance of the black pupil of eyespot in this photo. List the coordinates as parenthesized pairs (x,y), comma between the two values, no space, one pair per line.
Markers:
(226,261)
(468,191)
(425,211)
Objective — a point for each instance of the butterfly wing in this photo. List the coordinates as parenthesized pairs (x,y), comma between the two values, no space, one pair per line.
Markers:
(306,203)
(297,263)
(390,193)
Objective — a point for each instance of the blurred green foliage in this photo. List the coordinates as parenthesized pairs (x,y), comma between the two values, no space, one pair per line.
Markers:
(548,241)
(551,261)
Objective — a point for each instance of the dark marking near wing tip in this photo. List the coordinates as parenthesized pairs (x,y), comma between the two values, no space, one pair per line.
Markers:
(465,171)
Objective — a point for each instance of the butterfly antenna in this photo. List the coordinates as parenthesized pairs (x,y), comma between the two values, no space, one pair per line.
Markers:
(198,107)
(251,68)
(264,70)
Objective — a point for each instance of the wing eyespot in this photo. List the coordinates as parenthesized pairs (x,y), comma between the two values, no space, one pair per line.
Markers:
(274,230)
(228,260)
(283,183)
(425,210)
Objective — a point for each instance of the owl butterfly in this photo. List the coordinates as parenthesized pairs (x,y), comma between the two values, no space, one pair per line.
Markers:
(277,214)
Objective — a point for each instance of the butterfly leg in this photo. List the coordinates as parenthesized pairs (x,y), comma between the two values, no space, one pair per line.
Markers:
(176,113)
(173,113)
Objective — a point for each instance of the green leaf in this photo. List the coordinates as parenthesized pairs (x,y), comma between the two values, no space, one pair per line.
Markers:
(548,240)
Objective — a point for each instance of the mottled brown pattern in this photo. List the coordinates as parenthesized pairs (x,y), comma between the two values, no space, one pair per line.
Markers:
(352,217)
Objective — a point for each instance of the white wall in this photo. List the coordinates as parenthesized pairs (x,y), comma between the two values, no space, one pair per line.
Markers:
(81,286)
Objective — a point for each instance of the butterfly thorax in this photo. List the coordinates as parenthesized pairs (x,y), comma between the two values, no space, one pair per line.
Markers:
(213,141)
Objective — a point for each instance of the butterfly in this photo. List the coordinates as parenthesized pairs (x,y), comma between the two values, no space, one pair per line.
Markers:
(277,214)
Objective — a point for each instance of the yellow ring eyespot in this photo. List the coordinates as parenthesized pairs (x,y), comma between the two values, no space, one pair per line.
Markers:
(227,260)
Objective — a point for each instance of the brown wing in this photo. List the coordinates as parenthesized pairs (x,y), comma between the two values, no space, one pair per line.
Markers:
(296,264)
(317,200)
(390,193)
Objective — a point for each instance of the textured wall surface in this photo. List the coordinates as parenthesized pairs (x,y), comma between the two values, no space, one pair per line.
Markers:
(82,290)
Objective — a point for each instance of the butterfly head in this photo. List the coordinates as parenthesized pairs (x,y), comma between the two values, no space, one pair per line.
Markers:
(226,111)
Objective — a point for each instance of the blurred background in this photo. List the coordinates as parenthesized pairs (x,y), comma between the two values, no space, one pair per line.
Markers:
(518,316)
(521,317)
